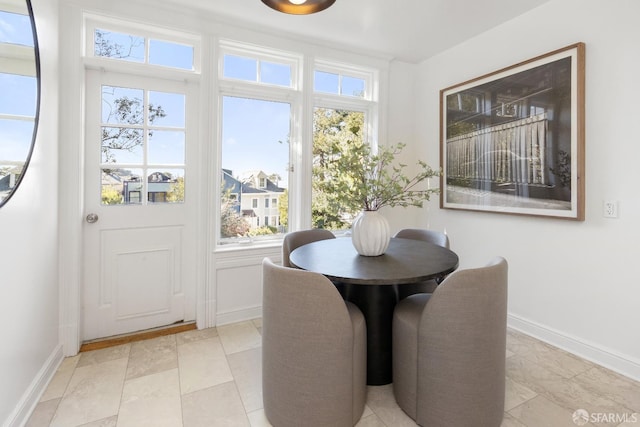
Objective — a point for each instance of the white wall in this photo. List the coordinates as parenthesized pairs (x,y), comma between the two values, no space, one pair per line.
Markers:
(29,253)
(571,283)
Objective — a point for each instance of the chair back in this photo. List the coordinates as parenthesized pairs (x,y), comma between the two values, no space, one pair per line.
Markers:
(461,347)
(307,349)
(298,238)
(431,236)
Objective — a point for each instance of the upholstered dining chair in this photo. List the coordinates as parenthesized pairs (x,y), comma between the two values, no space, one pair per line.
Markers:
(449,350)
(313,351)
(298,238)
(431,236)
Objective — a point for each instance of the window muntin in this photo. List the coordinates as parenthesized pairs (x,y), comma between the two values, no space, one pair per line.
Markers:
(142,161)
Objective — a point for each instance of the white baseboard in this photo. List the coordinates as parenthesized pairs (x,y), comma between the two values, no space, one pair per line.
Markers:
(31,396)
(238,315)
(609,359)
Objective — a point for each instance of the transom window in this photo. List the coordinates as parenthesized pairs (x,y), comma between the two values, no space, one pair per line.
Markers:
(112,40)
(342,80)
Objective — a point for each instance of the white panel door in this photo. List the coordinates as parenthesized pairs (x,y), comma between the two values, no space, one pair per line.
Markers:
(140,212)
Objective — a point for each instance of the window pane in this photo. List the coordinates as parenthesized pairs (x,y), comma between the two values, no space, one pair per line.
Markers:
(15,29)
(170,54)
(326,82)
(334,131)
(122,145)
(167,109)
(237,67)
(255,156)
(122,105)
(108,44)
(352,86)
(165,186)
(166,147)
(121,186)
(275,74)
(18,95)
(15,141)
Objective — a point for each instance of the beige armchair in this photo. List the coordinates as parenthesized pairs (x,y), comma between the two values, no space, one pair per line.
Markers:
(313,351)
(431,236)
(449,350)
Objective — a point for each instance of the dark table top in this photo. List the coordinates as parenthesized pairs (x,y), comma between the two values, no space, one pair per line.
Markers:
(405,261)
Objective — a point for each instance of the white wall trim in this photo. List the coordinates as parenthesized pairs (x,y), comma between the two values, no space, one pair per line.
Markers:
(619,363)
(249,313)
(32,394)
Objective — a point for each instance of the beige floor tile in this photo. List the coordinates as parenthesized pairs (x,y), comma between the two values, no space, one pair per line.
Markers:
(383,404)
(366,412)
(547,356)
(246,368)
(196,335)
(612,385)
(540,411)
(258,324)
(43,413)
(573,396)
(511,421)
(563,392)
(106,422)
(258,419)
(202,364)
(152,356)
(516,394)
(61,378)
(239,337)
(92,394)
(211,387)
(530,374)
(215,406)
(631,420)
(152,400)
(370,421)
(104,355)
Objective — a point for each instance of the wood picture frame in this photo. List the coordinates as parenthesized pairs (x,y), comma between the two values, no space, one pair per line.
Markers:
(512,141)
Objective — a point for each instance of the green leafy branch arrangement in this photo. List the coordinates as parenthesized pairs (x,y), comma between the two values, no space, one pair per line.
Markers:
(369,181)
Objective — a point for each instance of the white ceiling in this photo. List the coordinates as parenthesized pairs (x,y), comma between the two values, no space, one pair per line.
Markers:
(409,30)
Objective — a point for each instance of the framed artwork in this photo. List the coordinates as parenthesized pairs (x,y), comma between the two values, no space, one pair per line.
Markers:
(512,141)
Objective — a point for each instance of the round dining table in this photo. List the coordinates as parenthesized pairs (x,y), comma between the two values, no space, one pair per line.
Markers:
(371,284)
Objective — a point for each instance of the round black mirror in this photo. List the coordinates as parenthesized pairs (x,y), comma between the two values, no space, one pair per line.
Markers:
(19,92)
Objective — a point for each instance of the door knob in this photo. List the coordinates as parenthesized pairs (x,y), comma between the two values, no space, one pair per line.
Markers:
(91,218)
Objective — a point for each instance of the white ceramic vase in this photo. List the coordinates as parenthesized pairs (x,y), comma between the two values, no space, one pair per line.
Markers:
(370,233)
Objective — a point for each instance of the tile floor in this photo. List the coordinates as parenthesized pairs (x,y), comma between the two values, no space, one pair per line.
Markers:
(212,377)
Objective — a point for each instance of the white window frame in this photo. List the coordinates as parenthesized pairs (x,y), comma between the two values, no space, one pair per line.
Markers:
(257,90)
(93,22)
(303,101)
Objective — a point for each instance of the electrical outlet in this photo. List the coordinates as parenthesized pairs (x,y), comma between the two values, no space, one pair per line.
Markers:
(610,209)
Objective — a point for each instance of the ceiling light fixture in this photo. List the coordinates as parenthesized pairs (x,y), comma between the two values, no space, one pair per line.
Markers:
(299,7)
